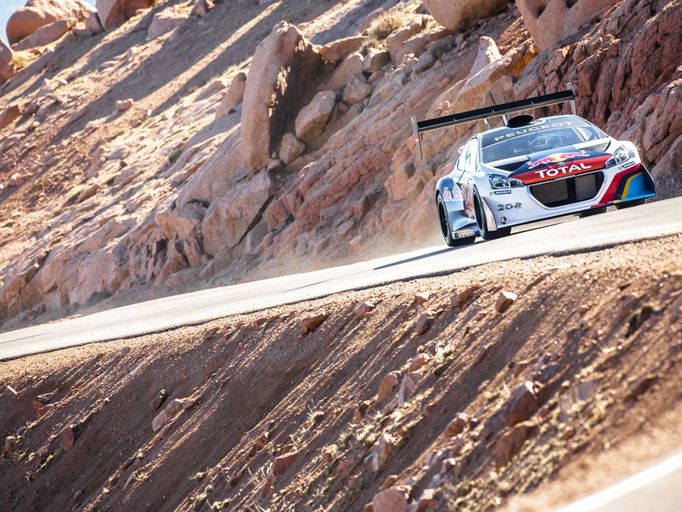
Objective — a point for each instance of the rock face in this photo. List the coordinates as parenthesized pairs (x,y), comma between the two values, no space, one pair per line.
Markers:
(550,21)
(114,12)
(228,219)
(284,65)
(45,35)
(7,68)
(39,13)
(463,14)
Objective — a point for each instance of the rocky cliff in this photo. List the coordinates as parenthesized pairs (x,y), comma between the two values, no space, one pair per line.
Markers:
(198,143)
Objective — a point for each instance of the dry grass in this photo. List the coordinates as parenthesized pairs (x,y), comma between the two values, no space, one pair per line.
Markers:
(386,24)
(23,58)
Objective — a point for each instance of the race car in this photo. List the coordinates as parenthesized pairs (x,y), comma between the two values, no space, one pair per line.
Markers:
(532,169)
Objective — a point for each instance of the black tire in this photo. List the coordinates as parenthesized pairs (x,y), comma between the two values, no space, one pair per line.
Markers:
(486,234)
(445,231)
(630,204)
(593,211)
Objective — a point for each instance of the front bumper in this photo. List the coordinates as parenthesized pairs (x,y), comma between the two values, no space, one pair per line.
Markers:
(511,207)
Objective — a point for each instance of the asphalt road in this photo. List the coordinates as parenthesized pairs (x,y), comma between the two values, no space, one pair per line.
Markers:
(573,235)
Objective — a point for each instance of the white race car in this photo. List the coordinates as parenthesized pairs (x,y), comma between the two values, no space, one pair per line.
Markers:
(530,170)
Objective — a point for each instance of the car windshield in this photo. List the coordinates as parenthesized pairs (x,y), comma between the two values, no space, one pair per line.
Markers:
(518,144)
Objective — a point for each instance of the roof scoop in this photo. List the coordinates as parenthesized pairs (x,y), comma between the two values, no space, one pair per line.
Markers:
(519,121)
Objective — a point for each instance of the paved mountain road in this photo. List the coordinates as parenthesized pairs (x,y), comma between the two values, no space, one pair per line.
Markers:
(614,227)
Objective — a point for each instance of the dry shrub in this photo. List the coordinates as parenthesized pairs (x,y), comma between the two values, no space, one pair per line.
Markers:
(386,24)
(22,59)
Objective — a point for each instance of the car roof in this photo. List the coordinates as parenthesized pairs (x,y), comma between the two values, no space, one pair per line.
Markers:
(504,133)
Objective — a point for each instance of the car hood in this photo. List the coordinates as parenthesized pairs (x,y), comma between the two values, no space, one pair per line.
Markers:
(559,163)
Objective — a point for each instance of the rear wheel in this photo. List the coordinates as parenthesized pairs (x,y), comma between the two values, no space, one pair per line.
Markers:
(445,230)
(630,204)
(487,234)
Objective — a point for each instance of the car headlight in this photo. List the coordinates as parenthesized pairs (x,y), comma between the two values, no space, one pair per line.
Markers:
(620,155)
(497,181)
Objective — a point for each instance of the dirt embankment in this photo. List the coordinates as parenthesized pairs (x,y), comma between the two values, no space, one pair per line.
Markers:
(460,391)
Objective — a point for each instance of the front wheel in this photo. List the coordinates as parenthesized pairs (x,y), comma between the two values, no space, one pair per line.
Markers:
(630,204)
(487,234)
(445,230)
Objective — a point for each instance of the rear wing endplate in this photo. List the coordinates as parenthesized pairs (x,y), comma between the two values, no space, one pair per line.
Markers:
(419,127)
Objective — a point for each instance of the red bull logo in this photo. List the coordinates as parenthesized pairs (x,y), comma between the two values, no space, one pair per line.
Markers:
(556,158)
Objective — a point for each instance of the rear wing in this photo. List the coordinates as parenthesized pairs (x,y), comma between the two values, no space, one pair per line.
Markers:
(419,127)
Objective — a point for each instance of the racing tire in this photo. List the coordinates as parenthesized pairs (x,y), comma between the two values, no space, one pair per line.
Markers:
(445,230)
(487,234)
(591,212)
(630,204)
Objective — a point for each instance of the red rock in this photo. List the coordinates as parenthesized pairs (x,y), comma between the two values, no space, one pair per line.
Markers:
(459,15)
(427,501)
(290,149)
(115,12)
(423,324)
(511,441)
(284,462)
(550,21)
(463,296)
(504,301)
(419,361)
(262,125)
(40,13)
(641,386)
(8,115)
(69,436)
(387,385)
(7,67)
(522,405)
(363,309)
(155,404)
(390,500)
(422,297)
(10,443)
(45,35)
(408,386)
(312,119)
(383,451)
(457,425)
(311,323)
(171,411)
(341,48)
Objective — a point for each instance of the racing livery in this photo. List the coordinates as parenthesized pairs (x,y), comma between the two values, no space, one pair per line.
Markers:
(530,170)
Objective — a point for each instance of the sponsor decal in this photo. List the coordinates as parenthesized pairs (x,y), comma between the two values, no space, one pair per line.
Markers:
(501,192)
(536,128)
(563,170)
(508,206)
(452,194)
(557,158)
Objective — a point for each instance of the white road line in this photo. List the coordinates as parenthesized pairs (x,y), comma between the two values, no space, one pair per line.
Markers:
(630,485)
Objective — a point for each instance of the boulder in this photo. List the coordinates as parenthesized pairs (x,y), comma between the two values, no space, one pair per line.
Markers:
(311,323)
(376,60)
(356,90)
(398,38)
(487,54)
(200,7)
(282,463)
(284,66)
(7,69)
(522,405)
(115,12)
(550,21)
(8,115)
(228,219)
(181,221)
(390,500)
(39,13)
(172,410)
(93,24)
(45,35)
(313,118)
(234,95)
(291,148)
(165,21)
(351,65)
(341,48)
(459,15)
